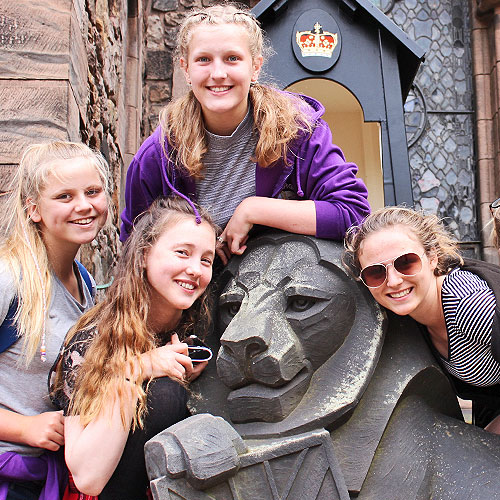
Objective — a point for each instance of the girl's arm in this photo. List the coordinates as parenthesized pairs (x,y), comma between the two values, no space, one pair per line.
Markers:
(333,197)
(106,433)
(91,471)
(295,216)
(45,430)
(326,177)
(144,182)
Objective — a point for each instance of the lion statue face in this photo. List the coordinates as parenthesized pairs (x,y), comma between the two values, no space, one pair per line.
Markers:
(299,338)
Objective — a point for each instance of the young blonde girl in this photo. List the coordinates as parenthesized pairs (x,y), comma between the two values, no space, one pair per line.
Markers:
(247,152)
(58,202)
(118,380)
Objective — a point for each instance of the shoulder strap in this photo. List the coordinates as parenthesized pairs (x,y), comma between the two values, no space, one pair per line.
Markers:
(86,277)
(8,330)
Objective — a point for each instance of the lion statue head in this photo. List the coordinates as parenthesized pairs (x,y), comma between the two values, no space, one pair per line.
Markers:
(297,339)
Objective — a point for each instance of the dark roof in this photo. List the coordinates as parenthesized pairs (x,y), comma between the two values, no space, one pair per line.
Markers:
(409,54)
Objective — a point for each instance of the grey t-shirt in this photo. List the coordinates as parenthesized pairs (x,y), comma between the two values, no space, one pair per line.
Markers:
(24,390)
(229,172)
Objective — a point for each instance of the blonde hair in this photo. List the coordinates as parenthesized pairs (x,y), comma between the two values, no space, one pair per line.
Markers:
(278,117)
(121,320)
(429,230)
(21,243)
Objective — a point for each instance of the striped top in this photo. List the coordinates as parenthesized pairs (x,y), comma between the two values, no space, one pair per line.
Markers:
(229,172)
(469,308)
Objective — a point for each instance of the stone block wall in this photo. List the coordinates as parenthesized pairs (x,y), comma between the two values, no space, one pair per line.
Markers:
(162,25)
(40,74)
(104,119)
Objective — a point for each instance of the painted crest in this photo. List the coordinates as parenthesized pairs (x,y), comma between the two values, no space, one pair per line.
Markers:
(316,40)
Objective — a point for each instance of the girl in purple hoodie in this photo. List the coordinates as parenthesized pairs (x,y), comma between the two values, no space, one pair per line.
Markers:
(247,152)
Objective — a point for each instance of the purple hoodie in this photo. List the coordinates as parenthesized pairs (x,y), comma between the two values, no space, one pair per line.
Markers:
(318,172)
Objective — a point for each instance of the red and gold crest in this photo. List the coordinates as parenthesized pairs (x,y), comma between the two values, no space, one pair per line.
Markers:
(317,42)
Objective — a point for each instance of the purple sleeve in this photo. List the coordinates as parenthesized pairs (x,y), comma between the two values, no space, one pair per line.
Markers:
(144,182)
(327,179)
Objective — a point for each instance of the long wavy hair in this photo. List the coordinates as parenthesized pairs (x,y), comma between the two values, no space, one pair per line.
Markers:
(279,117)
(121,320)
(429,230)
(21,240)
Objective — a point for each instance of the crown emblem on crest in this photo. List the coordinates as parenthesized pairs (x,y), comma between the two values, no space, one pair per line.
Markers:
(316,43)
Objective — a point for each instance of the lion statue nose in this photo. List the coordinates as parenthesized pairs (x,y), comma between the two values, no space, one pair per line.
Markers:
(243,345)
(266,352)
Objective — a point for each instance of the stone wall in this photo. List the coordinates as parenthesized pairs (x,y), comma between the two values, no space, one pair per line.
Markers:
(43,74)
(103,120)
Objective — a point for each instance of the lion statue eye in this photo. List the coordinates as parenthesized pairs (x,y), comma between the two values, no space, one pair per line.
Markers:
(233,308)
(230,310)
(300,304)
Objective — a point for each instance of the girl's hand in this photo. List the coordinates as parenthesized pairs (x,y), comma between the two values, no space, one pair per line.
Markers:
(196,371)
(295,216)
(235,235)
(45,430)
(170,360)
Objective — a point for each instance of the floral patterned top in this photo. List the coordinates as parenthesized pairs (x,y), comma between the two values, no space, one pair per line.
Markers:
(71,357)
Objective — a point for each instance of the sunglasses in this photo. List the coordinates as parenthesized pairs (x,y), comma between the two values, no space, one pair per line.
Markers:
(374,275)
(494,205)
(198,351)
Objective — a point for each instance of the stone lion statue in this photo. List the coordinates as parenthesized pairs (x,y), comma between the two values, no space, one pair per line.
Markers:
(314,394)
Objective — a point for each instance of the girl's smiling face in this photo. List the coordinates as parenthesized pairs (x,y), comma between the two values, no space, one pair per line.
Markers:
(179,269)
(404,295)
(220,68)
(72,207)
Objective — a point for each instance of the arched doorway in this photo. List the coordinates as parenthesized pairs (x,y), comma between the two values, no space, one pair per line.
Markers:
(359,140)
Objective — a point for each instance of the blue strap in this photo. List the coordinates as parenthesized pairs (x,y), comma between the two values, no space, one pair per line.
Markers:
(86,277)
(8,330)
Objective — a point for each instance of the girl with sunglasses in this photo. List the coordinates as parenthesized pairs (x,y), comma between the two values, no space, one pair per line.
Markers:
(411,266)
(247,152)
